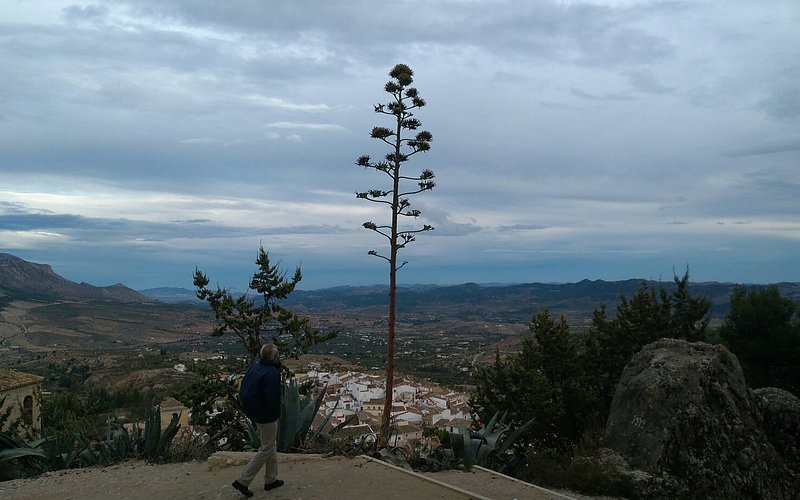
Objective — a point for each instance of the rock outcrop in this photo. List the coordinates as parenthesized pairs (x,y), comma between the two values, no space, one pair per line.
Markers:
(686,425)
(781,412)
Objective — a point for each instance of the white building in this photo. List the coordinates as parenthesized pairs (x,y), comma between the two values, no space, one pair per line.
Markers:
(406,393)
(404,433)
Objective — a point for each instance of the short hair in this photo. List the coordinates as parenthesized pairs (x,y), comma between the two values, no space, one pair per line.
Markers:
(268,351)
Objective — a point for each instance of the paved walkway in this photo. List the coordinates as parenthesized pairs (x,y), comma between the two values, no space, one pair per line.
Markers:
(308,477)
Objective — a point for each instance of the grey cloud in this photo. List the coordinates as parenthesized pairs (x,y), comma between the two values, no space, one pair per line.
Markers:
(34,221)
(273,102)
(764,194)
(442,221)
(778,187)
(783,102)
(80,227)
(450,228)
(200,140)
(623,46)
(192,221)
(522,227)
(644,81)
(584,34)
(75,13)
(774,145)
(600,97)
(249,15)
(13,208)
(287,67)
(307,229)
(114,229)
(115,48)
(305,126)
(703,96)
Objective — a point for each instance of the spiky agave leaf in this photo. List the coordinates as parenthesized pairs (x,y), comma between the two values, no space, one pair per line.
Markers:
(12,453)
(511,439)
(307,417)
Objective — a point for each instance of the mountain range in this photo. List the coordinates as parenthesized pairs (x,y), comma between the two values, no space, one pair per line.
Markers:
(469,301)
(480,302)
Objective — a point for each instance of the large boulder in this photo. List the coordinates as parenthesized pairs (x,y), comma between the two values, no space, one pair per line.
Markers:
(683,415)
(781,412)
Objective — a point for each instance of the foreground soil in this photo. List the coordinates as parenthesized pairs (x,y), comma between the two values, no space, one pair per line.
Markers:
(308,477)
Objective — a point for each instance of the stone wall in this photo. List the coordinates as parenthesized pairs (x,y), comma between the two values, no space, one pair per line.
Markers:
(23,397)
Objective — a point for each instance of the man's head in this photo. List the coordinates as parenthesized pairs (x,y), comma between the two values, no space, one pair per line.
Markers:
(269,351)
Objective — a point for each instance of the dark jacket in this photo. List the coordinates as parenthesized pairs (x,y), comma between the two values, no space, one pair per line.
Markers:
(260,391)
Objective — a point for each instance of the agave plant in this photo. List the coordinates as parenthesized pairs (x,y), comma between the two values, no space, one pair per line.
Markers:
(153,443)
(20,459)
(11,448)
(487,446)
(297,415)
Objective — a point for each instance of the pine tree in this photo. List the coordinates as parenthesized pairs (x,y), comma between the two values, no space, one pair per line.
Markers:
(647,316)
(763,330)
(269,321)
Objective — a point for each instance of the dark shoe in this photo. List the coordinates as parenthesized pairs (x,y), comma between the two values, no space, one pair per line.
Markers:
(244,490)
(274,484)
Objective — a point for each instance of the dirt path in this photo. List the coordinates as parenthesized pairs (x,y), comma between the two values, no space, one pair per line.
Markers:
(12,327)
(308,477)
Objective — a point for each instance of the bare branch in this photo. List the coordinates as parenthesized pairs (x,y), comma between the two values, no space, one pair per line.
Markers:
(376,254)
(425,228)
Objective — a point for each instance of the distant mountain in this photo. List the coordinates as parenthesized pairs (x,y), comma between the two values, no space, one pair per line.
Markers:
(172,295)
(27,280)
(468,301)
(492,302)
(500,303)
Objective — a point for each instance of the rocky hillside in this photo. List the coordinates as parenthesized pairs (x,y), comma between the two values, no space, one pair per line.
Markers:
(27,280)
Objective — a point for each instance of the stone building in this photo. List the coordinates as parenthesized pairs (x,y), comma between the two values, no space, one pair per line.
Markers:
(22,395)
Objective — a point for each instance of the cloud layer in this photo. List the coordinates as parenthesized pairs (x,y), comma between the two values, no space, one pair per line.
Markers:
(573,139)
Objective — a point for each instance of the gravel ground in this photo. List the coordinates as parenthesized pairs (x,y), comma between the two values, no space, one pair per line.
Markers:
(308,477)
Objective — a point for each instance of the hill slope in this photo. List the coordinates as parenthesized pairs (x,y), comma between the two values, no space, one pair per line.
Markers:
(25,280)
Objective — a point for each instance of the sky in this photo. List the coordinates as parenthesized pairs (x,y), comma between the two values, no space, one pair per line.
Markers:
(143,139)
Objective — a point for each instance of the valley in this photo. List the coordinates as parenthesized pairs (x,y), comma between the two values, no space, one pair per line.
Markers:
(444,332)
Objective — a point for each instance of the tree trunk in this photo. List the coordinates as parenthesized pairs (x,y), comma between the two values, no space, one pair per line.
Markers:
(383,437)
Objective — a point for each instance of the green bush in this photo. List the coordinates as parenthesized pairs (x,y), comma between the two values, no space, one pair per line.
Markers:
(582,474)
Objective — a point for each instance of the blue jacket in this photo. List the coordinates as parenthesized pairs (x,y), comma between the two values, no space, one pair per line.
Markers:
(260,392)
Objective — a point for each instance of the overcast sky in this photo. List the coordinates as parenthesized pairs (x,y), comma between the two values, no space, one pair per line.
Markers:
(600,139)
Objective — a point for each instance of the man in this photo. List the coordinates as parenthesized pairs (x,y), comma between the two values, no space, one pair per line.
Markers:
(260,393)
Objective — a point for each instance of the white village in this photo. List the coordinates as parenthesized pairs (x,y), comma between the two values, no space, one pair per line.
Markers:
(354,401)
(415,406)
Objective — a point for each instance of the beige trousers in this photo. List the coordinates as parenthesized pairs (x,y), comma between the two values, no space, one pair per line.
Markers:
(266,454)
